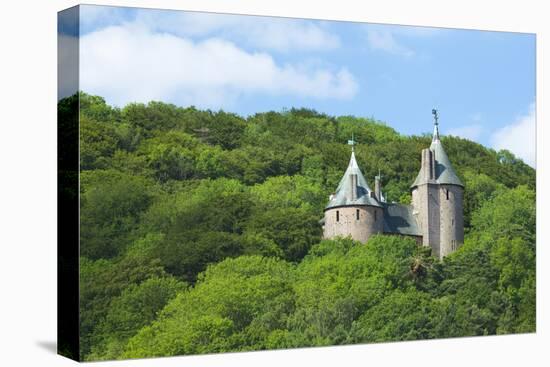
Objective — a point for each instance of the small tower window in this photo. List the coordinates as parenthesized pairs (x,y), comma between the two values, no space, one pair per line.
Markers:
(447,193)
(337,215)
(357,214)
(375,212)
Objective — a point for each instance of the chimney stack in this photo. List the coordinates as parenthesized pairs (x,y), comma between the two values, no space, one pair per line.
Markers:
(353,191)
(377,188)
(428,169)
(432,164)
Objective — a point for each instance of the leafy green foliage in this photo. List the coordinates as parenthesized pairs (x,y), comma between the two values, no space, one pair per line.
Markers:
(136,307)
(110,205)
(480,189)
(339,280)
(232,307)
(200,234)
(103,280)
(402,315)
(509,215)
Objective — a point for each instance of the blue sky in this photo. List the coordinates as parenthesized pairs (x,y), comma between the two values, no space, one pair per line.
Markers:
(482,83)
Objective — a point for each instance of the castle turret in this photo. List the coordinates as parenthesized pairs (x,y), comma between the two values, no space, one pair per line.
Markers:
(353,210)
(437,195)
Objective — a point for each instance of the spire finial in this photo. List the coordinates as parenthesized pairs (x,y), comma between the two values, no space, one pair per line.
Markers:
(352,142)
(436,125)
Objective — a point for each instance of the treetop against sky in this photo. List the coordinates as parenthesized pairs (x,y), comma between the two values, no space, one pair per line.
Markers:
(483,83)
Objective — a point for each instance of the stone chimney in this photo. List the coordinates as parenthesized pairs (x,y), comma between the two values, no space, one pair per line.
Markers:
(377,188)
(428,165)
(353,188)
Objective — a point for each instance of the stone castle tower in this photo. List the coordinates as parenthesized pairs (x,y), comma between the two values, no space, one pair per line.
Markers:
(434,219)
(437,195)
(353,209)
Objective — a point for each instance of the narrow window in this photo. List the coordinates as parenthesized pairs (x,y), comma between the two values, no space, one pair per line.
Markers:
(447,192)
(357,214)
(452,222)
(375,215)
(337,215)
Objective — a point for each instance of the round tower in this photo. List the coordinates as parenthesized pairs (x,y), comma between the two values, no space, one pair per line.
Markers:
(437,199)
(451,218)
(353,210)
(359,222)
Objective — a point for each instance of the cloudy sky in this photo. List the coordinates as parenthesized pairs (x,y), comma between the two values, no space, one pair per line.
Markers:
(483,83)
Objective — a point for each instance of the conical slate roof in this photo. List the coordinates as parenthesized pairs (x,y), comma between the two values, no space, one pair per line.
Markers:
(344,196)
(444,172)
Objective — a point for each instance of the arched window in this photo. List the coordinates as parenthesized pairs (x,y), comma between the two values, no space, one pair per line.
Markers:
(337,215)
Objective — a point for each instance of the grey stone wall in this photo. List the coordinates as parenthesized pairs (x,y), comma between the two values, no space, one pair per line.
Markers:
(425,200)
(452,220)
(439,213)
(371,221)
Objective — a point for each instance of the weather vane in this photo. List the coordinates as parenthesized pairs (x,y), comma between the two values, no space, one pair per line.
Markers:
(352,142)
(434,112)
(436,127)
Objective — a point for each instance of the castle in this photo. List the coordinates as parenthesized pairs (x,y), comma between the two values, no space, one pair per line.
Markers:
(434,219)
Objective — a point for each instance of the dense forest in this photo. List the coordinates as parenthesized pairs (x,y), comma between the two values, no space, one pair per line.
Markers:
(200,234)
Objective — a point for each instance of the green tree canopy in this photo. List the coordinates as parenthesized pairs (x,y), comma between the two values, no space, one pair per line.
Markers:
(200,233)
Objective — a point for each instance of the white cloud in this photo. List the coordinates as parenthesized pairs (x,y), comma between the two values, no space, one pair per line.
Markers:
(519,137)
(266,33)
(385,40)
(471,132)
(131,63)
(388,38)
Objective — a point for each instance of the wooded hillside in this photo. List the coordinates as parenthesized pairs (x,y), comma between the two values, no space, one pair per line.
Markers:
(200,234)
